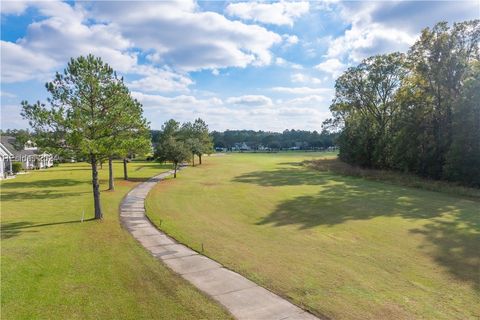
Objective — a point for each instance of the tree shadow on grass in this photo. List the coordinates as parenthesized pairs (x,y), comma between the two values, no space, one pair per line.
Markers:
(12,229)
(37,195)
(453,231)
(341,201)
(50,183)
(283,177)
(457,249)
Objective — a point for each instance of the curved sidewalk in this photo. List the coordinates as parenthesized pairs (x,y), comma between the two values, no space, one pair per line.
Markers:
(243,298)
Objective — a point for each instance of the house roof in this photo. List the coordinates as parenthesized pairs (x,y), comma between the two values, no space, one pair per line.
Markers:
(8,141)
(4,151)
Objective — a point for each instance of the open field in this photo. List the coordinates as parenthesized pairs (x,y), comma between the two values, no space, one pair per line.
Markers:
(342,247)
(54,267)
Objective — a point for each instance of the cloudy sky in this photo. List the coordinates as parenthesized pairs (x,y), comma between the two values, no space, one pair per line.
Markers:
(237,65)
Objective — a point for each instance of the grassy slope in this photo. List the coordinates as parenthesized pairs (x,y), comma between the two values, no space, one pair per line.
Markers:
(343,247)
(55,267)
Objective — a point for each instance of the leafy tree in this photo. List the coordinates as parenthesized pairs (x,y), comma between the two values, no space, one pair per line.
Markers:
(463,157)
(419,114)
(130,134)
(138,144)
(197,138)
(84,104)
(171,147)
(365,103)
(439,61)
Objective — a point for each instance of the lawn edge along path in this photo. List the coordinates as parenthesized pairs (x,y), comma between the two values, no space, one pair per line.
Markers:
(243,298)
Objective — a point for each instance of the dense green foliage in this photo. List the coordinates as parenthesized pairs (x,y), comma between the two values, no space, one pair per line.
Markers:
(16,167)
(197,138)
(417,113)
(172,146)
(274,140)
(90,111)
(178,143)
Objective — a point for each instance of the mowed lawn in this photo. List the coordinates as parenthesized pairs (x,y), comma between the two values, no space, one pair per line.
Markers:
(54,267)
(341,247)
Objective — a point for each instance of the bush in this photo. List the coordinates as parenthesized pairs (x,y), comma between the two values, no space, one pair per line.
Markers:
(16,167)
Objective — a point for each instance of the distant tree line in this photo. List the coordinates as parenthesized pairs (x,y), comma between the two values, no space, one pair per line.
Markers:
(417,112)
(299,139)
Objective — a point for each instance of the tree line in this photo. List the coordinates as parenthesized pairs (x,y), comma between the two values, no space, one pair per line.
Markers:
(300,139)
(417,112)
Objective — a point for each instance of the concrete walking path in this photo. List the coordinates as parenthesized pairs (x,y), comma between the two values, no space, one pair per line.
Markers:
(240,296)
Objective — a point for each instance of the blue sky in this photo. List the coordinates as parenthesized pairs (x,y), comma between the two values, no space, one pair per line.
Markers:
(237,65)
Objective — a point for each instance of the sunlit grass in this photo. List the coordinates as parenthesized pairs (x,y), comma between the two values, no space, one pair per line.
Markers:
(55,267)
(343,247)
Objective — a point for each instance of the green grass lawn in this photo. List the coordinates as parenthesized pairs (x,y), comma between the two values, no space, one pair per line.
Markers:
(342,247)
(54,267)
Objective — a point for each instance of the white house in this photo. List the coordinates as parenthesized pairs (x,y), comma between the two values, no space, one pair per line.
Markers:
(29,156)
(5,162)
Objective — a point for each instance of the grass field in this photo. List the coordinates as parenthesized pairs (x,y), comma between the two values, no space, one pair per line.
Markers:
(342,247)
(54,267)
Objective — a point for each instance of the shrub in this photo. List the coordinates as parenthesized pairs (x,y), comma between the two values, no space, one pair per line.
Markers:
(16,167)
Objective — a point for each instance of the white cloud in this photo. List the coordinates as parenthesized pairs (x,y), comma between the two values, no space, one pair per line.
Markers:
(5,94)
(366,36)
(279,61)
(162,102)
(14,7)
(172,33)
(49,44)
(278,13)
(250,100)
(304,78)
(364,40)
(20,64)
(304,90)
(291,39)
(159,80)
(309,111)
(333,67)
(187,39)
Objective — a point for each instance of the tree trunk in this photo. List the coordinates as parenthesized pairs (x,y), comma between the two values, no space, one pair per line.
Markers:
(193,159)
(111,185)
(125,173)
(174,169)
(96,188)
(200,158)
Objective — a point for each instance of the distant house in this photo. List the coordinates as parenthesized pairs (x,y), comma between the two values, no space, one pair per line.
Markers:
(29,155)
(5,162)
(240,146)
